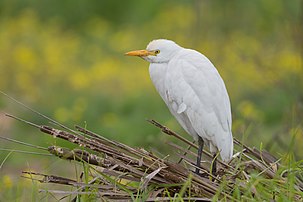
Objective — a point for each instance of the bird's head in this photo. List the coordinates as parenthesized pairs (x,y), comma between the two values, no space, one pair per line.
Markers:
(157,51)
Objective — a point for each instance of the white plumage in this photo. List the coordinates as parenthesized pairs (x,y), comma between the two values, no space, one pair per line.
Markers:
(194,92)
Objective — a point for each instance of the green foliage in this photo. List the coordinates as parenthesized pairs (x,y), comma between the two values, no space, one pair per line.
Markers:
(77,72)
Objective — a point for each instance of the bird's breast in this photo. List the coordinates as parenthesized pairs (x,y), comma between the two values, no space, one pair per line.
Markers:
(157,72)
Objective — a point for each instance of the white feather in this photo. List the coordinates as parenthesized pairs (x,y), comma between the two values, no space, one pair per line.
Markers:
(195,94)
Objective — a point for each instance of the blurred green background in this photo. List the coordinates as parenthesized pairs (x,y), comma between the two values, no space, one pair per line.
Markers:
(66,60)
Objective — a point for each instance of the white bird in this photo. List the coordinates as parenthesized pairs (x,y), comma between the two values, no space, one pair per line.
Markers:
(194,92)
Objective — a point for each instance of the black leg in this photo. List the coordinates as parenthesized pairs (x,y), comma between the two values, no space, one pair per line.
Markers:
(214,168)
(200,149)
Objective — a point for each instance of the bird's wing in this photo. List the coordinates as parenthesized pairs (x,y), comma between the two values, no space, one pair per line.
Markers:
(198,91)
(200,71)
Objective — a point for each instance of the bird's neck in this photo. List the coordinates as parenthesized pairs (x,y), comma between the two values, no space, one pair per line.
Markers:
(157,72)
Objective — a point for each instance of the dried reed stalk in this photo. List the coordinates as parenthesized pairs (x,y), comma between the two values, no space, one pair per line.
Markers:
(113,163)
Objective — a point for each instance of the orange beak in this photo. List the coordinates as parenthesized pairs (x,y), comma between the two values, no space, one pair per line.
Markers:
(140,53)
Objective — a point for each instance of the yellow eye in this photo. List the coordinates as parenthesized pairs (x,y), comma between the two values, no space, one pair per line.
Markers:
(157,52)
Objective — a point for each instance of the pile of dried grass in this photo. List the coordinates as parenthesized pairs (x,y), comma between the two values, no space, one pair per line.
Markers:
(121,172)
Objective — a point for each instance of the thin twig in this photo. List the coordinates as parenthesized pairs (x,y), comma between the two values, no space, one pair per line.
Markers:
(185,153)
(24,152)
(22,143)
(36,112)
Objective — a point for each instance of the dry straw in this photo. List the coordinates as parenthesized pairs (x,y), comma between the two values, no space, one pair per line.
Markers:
(120,172)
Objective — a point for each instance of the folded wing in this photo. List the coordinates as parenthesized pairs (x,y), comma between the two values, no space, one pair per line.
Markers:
(197,97)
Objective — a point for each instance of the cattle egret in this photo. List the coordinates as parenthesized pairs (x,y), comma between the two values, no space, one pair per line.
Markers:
(195,94)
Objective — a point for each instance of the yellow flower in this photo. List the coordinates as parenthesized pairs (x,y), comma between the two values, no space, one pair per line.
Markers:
(7,182)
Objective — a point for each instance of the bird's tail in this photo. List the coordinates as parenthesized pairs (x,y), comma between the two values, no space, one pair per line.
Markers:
(226,147)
